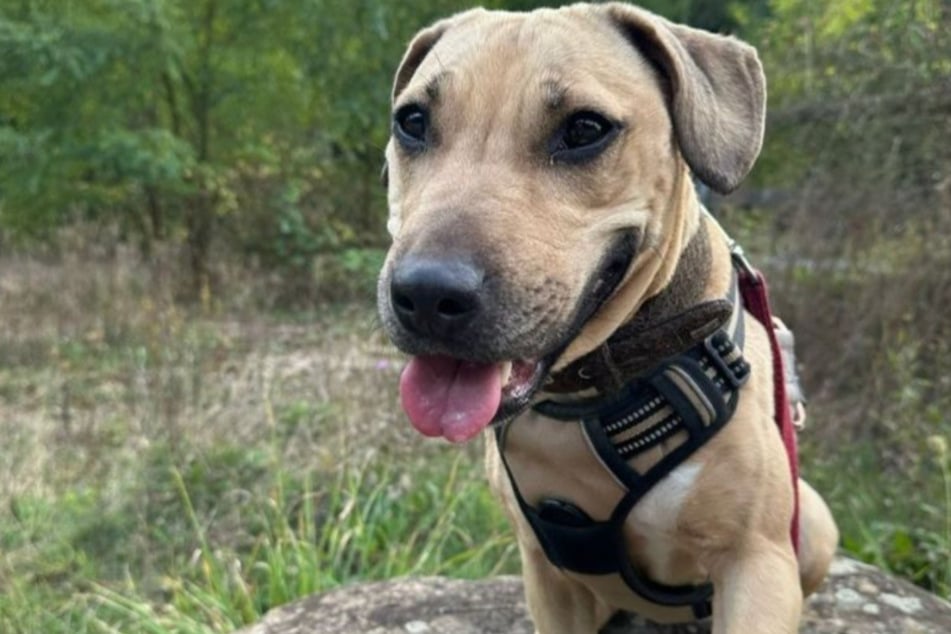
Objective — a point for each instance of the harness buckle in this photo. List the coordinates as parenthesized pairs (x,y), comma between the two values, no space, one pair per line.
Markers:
(740,261)
(565,513)
(718,347)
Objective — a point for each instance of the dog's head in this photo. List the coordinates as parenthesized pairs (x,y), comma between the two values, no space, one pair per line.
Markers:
(539,191)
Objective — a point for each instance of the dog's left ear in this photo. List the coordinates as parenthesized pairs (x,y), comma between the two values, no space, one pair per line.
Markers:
(717,92)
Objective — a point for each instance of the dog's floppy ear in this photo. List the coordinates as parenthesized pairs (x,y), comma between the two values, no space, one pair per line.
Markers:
(418,48)
(717,93)
(422,43)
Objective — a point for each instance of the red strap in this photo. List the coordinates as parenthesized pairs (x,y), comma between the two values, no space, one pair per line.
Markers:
(756,300)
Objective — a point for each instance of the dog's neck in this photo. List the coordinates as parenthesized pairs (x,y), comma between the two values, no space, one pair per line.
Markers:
(689,306)
(662,242)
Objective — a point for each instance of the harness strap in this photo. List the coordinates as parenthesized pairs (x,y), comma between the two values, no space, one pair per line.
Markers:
(693,394)
(572,540)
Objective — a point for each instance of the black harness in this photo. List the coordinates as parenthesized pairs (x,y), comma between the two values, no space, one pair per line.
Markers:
(693,394)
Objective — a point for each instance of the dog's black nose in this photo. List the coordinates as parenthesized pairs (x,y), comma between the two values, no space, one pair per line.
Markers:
(436,297)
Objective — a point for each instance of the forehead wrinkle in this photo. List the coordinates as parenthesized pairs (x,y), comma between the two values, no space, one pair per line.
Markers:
(553,94)
(591,96)
(561,93)
(434,85)
(426,91)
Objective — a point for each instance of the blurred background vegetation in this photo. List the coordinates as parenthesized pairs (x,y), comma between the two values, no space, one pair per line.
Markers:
(197,408)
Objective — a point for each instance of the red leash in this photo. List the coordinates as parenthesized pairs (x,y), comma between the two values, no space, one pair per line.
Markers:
(756,299)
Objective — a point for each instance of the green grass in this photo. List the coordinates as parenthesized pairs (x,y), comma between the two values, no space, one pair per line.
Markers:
(86,563)
(898,523)
(171,471)
(164,471)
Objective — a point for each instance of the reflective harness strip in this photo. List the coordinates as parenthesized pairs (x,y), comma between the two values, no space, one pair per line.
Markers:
(694,392)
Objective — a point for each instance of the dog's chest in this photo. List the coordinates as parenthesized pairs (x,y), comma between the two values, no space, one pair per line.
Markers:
(551,459)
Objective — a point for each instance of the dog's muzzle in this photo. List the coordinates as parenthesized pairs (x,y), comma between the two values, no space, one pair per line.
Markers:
(475,360)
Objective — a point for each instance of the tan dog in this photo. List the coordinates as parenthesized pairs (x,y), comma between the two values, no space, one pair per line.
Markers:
(541,202)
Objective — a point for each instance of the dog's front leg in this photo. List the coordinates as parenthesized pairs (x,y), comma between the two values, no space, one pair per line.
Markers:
(557,603)
(758,591)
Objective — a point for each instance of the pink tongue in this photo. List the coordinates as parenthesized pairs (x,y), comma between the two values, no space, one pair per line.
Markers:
(450,398)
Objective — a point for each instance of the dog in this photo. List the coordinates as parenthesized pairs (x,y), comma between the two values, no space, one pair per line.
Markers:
(549,254)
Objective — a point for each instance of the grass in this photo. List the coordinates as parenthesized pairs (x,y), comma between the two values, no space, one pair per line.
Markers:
(302,537)
(900,524)
(172,471)
(356,528)
(205,537)
(169,471)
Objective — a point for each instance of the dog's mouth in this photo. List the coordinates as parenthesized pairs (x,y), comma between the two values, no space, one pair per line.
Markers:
(457,399)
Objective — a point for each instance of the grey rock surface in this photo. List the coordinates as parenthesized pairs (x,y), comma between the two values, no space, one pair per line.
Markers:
(856,598)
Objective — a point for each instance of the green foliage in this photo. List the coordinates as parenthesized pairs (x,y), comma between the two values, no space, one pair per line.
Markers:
(255,121)
(719,17)
(303,533)
(858,90)
(161,115)
(872,513)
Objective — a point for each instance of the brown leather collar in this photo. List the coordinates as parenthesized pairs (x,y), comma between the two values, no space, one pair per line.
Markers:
(672,321)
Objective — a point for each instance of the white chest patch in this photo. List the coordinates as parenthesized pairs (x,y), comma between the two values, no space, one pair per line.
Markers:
(654,517)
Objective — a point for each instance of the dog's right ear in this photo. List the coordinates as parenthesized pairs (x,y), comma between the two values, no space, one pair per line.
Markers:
(424,42)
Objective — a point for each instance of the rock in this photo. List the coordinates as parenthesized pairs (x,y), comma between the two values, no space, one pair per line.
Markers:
(856,599)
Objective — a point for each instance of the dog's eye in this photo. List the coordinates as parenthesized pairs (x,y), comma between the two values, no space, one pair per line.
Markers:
(585,128)
(583,136)
(410,124)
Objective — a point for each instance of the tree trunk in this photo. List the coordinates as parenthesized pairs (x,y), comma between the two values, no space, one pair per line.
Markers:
(200,226)
(200,213)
